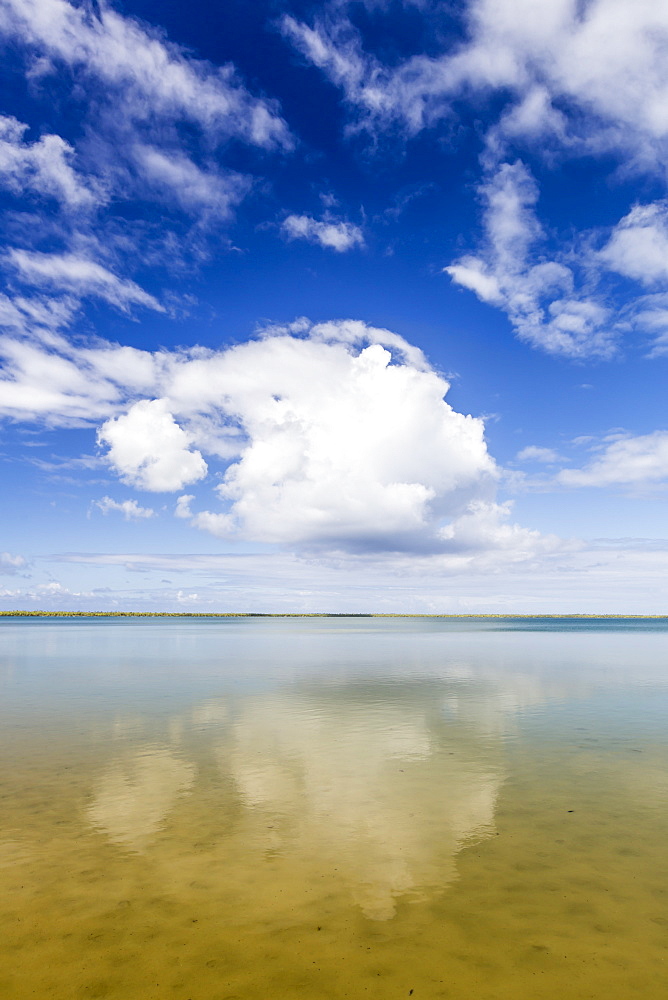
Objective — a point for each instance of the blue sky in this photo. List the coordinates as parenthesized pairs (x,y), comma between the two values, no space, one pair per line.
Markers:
(337,306)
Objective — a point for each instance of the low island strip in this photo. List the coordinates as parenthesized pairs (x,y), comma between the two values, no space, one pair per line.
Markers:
(296,614)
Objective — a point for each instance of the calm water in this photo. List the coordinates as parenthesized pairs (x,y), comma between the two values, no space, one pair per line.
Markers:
(211,810)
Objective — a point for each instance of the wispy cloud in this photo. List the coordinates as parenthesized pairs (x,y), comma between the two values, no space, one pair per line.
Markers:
(570,82)
(156,124)
(541,296)
(537,294)
(44,167)
(79,276)
(130,509)
(12,564)
(201,191)
(36,315)
(627,461)
(64,385)
(606,576)
(145,76)
(532,453)
(607,58)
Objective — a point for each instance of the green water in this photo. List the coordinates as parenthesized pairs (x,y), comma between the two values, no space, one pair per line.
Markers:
(313,809)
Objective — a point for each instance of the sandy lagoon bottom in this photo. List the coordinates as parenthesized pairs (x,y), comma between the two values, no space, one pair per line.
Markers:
(289,809)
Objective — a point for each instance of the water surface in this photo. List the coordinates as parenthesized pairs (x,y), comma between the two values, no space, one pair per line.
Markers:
(316,808)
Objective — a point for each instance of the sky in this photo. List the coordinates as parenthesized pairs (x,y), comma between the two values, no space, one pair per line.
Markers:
(346,306)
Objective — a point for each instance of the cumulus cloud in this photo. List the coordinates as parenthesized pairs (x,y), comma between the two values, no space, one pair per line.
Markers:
(130,509)
(353,332)
(334,435)
(53,594)
(182,508)
(150,450)
(339,236)
(484,528)
(638,245)
(346,446)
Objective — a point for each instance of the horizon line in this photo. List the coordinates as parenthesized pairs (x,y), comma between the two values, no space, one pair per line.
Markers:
(307,614)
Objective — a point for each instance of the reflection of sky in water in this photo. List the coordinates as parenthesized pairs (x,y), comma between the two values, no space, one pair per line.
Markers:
(373,782)
(133,797)
(378,751)
(370,788)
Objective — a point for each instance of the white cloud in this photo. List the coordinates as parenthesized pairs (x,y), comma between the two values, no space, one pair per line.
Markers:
(39,383)
(339,236)
(38,316)
(353,332)
(52,594)
(150,450)
(571,80)
(44,166)
(218,525)
(650,315)
(154,123)
(638,245)
(607,58)
(199,192)
(483,529)
(614,576)
(328,439)
(145,76)
(65,385)
(80,276)
(130,509)
(627,461)
(539,297)
(345,447)
(12,563)
(187,599)
(182,508)
(532,453)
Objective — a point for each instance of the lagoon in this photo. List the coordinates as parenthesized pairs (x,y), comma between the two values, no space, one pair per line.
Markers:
(209,809)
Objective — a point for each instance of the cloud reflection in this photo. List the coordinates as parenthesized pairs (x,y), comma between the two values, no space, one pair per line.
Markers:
(382,792)
(134,796)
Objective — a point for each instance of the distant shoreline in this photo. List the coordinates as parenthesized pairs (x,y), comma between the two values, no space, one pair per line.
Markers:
(288,614)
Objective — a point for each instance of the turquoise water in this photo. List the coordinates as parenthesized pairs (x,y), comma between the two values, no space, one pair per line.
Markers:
(333,807)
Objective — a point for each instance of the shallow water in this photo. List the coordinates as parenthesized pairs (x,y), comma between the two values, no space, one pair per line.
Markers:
(209,810)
